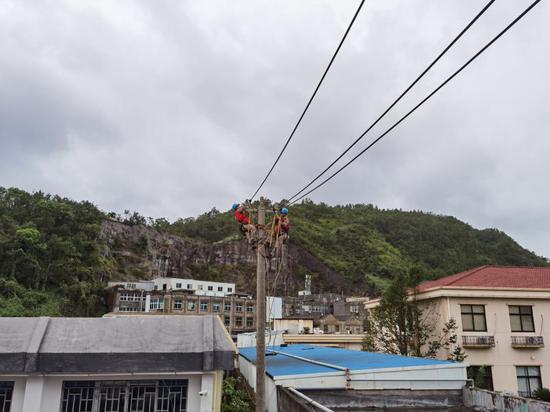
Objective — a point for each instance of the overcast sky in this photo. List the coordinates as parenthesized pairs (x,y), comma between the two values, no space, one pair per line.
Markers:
(173,107)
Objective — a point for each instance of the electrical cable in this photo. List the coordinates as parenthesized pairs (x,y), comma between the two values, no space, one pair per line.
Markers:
(426,70)
(423,101)
(310,100)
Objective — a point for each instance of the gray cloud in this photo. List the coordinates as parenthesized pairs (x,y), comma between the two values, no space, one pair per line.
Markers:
(171,108)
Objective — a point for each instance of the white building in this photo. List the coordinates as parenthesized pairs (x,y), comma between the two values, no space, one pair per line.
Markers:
(198,287)
(161,363)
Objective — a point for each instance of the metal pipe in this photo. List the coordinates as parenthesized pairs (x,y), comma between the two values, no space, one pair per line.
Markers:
(328,365)
(309,400)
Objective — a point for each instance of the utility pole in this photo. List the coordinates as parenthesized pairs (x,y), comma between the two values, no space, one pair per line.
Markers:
(260,311)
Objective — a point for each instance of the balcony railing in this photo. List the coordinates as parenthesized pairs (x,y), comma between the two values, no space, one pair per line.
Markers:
(527,342)
(478,341)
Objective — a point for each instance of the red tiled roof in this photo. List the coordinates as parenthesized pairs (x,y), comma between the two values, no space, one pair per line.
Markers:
(494,277)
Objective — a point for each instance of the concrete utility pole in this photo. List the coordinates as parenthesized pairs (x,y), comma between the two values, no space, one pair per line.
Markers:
(260,311)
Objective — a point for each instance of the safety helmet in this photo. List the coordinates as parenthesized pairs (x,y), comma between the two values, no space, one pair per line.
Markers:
(284,211)
(235,206)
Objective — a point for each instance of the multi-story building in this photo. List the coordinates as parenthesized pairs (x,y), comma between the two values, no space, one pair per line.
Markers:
(197,287)
(236,311)
(500,313)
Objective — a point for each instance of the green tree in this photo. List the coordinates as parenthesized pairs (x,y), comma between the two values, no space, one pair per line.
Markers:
(398,325)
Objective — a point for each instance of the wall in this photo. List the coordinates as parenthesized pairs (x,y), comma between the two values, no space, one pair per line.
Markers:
(289,402)
(502,357)
(483,400)
(51,394)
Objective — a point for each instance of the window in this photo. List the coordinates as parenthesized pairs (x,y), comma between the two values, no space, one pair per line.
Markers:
(473,318)
(216,307)
(227,307)
(177,304)
(156,304)
(220,288)
(521,318)
(189,286)
(482,376)
(239,307)
(6,392)
(204,306)
(178,285)
(130,396)
(229,290)
(227,320)
(528,380)
(249,308)
(191,306)
(354,309)
(239,322)
(249,322)
(210,288)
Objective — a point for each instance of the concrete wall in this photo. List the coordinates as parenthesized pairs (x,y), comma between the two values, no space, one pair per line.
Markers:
(43,393)
(482,400)
(502,358)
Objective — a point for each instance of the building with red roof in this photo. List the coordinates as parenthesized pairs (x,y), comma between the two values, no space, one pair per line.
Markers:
(500,312)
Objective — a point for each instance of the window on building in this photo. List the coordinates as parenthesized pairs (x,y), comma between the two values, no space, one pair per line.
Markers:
(337,328)
(250,308)
(482,376)
(238,307)
(220,288)
(210,288)
(191,305)
(249,322)
(204,306)
(229,290)
(528,380)
(177,304)
(239,322)
(6,394)
(473,318)
(156,304)
(521,318)
(216,307)
(227,307)
(131,396)
(178,285)
(227,320)
(325,328)
(189,286)
(354,309)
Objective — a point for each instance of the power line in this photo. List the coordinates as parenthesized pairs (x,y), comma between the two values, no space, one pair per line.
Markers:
(464,30)
(310,100)
(527,10)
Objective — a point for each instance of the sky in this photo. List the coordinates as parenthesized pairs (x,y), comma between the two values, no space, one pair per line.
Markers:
(173,107)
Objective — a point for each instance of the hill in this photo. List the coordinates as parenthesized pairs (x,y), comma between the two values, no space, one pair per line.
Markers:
(57,254)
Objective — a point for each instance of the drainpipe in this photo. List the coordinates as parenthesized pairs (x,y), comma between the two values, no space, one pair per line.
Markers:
(309,400)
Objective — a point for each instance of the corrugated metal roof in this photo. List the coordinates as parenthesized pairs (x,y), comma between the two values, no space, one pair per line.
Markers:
(282,365)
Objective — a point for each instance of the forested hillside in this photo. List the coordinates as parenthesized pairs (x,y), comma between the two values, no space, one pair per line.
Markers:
(57,254)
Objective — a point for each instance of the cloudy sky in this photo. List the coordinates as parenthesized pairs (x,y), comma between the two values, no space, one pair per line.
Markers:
(172,107)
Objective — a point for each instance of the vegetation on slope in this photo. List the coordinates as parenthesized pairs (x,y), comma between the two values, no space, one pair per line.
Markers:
(52,260)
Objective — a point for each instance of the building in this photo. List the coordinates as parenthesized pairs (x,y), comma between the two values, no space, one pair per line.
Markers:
(500,312)
(197,287)
(341,379)
(168,363)
(237,312)
(351,342)
(293,325)
(347,324)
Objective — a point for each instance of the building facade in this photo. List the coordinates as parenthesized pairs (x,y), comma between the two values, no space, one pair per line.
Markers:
(237,312)
(500,313)
(125,364)
(197,287)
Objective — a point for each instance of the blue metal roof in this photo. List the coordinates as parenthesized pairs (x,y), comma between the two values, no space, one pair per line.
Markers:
(281,365)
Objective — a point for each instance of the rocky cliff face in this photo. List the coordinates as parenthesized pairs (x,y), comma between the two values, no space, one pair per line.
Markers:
(140,252)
